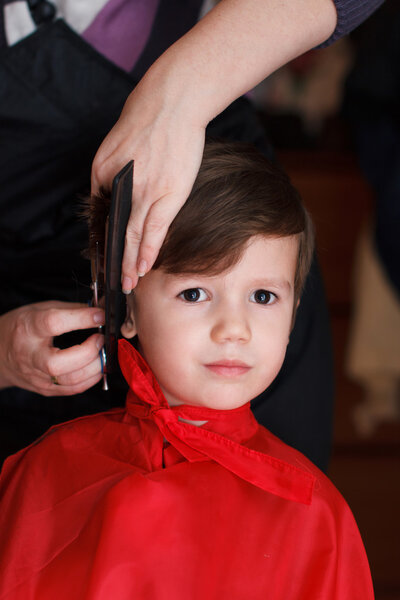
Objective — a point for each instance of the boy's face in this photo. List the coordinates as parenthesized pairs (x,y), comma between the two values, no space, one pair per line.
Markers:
(218,341)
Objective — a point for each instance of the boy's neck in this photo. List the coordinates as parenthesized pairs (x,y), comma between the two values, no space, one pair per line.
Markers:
(197,423)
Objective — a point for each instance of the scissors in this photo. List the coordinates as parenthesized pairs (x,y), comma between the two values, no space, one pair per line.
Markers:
(115,301)
(97,281)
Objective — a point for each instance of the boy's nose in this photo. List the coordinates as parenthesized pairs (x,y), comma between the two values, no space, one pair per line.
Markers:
(231,327)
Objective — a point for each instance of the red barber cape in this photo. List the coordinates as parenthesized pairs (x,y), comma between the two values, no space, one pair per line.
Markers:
(136,503)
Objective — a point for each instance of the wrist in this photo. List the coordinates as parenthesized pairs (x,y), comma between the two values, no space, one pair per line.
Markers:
(181,90)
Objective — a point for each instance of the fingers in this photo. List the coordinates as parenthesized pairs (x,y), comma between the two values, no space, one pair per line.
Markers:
(133,236)
(153,209)
(66,372)
(82,375)
(50,389)
(50,322)
(142,218)
(28,359)
(144,237)
(56,362)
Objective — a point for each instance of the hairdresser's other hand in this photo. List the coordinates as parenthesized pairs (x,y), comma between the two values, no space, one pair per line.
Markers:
(28,358)
(162,126)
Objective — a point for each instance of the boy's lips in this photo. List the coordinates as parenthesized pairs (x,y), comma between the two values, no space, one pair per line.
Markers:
(228,368)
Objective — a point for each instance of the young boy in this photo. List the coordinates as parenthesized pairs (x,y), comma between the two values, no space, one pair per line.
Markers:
(182,494)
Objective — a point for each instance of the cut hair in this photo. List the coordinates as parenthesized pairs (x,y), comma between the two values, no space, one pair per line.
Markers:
(237,194)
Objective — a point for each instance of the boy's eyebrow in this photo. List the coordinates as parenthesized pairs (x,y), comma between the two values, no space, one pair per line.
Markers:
(282,284)
(262,282)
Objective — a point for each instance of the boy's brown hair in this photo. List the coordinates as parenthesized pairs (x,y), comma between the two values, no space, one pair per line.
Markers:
(237,194)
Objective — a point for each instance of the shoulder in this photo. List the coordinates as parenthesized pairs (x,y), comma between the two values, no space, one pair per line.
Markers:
(325,495)
(325,529)
(79,459)
(327,516)
(70,445)
(76,430)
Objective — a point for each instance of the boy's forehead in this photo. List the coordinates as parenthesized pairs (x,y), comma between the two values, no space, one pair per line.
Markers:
(267,259)
(263,259)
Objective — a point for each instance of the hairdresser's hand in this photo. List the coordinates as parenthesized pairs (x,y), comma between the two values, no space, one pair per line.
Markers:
(167,147)
(234,47)
(28,358)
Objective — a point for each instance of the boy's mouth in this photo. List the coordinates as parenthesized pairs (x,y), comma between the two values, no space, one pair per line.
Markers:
(228,368)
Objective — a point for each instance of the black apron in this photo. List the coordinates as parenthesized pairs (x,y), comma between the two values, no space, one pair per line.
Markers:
(58,99)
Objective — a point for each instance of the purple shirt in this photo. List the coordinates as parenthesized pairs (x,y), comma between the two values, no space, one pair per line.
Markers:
(121,29)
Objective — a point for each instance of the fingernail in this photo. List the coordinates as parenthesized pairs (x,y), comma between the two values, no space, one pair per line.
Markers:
(98,318)
(100,342)
(142,268)
(127,285)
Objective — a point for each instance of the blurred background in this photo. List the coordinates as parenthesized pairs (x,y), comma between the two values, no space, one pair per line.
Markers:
(334,118)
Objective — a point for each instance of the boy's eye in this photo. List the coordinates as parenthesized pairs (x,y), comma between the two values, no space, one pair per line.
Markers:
(263,297)
(193,295)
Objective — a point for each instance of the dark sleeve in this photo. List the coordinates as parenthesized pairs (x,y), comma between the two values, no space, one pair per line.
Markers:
(350,14)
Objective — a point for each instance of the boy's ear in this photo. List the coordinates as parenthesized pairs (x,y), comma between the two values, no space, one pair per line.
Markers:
(128,328)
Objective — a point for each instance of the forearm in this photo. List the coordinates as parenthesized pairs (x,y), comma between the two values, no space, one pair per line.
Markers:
(234,47)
